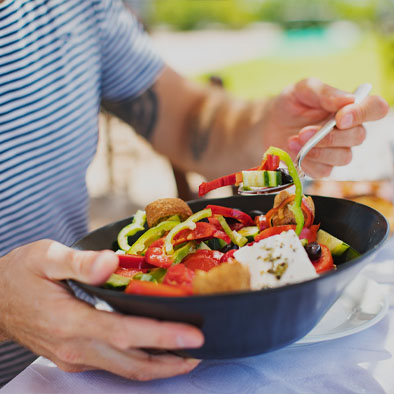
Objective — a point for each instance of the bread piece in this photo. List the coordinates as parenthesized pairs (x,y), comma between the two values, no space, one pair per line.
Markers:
(162,209)
(226,277)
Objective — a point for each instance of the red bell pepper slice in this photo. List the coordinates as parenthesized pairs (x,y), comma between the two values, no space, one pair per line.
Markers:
(325,262)
(227,180)
(133,261)
(242,217)
(203,230)
(181,276)
(203,260)
(270,231)
(271,163)
(306,233)
(154,289)
(157,256)
(236,226)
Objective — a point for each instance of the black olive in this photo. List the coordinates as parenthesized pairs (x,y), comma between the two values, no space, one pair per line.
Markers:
(314,250)
(255,212)
(229,247)
(286,178)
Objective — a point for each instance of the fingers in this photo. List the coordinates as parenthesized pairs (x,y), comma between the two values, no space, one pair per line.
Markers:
(140,365)
(132,364)
(336,138)
(315,94)
(62,262)
(372,108)
(124,332)
(315,169)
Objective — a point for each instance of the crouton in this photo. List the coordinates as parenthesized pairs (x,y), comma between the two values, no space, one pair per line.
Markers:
(226,277)
(162,209)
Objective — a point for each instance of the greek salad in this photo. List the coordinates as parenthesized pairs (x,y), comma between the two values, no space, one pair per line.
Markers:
(219,249)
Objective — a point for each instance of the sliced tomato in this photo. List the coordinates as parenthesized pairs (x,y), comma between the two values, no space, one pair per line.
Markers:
(203,230)
(157,256)
(309,233)
(181,276)
(228,256)
(306,233)
(129,272)
(242,217)
(154,289)
(325,262)
(133,261)
(261,222)
(203,260)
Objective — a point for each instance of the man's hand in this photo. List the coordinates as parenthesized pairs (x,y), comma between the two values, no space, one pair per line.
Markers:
(298,113)
(41,314)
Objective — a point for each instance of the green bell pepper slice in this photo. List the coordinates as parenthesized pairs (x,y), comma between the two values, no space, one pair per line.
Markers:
(155,276)
(151,235)
(136,225)
(235,237)
(189,223)
(296,205)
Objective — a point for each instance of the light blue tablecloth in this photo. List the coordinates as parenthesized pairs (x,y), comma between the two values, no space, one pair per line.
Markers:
(359,363)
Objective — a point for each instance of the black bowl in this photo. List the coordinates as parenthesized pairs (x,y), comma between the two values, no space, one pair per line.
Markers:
(248,323)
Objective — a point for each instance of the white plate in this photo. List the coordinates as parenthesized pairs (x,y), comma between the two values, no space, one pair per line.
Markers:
(362,304)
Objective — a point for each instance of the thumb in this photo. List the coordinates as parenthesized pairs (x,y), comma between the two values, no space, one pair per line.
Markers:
(84,266)
(316,94)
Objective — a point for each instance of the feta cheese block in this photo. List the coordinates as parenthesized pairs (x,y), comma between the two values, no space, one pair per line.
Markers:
(276,261)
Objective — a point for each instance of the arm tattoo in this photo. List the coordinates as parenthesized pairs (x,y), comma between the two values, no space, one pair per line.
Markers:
(141,112)
(199,140)
(201,124)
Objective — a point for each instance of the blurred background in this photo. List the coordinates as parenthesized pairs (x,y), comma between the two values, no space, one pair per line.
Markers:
(255,48)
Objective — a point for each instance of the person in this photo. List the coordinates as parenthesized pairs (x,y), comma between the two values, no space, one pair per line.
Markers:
(59,61)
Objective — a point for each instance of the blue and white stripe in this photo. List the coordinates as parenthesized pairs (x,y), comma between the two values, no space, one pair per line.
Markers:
(58,60)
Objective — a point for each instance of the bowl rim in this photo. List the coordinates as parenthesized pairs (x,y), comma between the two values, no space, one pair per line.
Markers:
(288,287)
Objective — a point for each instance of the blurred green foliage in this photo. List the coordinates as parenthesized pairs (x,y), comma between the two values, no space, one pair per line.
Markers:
(267,76)
(193,14)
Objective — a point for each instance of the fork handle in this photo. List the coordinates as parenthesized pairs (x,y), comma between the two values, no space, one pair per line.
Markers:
(360,94)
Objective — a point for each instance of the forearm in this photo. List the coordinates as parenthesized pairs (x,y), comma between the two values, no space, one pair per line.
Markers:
(213,132)
(200,128)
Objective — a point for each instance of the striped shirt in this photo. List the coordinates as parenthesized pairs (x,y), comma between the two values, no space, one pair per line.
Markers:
(58,60)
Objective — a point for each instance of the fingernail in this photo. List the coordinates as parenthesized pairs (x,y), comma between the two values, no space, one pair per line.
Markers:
(193,360)
(306,135)
(294,145)
(100,264)
(188,341)
(347,121)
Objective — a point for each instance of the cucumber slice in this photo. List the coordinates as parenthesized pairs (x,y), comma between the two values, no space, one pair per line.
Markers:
(261,178)
(275,178)
(249,232)
(336,246)
(117,282)
(216,243)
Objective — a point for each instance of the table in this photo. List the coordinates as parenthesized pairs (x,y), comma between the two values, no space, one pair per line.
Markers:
(359,363)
